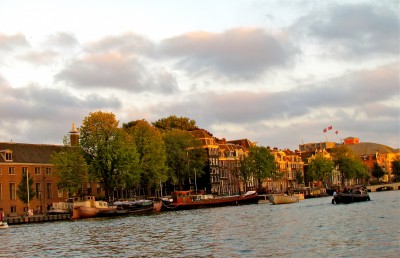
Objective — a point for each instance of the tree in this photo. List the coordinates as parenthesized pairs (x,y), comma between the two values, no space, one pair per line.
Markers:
(262,163)
(71,168)
(299,177)
(320,168)
(151,152)
(109,151)
(184,155)
(24,187)
(396,168)
(348,164)
(377,171)
(173,122)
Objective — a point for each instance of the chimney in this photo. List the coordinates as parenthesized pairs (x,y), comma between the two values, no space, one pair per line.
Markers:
(74,135)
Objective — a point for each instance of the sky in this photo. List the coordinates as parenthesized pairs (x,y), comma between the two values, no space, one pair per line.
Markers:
(276,72)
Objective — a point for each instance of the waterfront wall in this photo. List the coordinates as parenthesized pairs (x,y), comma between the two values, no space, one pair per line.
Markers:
(36,218)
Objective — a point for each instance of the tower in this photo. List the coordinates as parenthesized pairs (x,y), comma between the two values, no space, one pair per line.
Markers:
(74,135)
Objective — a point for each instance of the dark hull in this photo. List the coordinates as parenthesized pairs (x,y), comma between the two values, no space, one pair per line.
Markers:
(350,198)
(215,202)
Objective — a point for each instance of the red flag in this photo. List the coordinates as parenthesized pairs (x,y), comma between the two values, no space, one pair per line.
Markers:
(330,127)
(337,132)
(325,130)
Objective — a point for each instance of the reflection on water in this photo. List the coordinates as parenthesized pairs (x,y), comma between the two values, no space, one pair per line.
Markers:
(313,227)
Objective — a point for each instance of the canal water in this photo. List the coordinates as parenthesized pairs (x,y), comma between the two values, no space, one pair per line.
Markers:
(310,228)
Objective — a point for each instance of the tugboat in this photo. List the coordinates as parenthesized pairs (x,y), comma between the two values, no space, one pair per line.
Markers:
(356,195)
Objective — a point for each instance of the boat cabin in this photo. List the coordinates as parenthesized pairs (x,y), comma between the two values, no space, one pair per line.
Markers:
(181,197)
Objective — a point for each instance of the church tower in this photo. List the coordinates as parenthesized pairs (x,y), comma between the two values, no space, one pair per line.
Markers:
(74,135)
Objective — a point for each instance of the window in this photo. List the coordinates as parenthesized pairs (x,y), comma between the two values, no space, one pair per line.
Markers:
(11,170)
(0,171)
(38,191)
(12,191)
(37,170)
(1,192)
(48,171)
(49,192)
(60,193)
(13,209)
(24,170)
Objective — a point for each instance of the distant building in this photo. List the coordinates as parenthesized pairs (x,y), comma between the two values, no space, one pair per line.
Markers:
(371,153)
(311,147)
(34,159)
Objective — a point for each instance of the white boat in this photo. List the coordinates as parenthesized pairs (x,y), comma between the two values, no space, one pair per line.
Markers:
(283,198)
(3,225)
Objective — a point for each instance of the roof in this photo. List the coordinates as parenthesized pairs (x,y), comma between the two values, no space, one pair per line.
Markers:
(365,148)
(29,153)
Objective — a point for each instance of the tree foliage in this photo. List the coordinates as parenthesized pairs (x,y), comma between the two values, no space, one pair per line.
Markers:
(262,163)
(174,122)
(320,168)
(396,168)
(22,191)
(151,152)
(71,168)
(377,171)
(109,151)
(348,164)
(184,155)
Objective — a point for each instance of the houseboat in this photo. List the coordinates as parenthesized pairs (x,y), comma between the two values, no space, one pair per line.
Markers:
(283,199)
(185,200)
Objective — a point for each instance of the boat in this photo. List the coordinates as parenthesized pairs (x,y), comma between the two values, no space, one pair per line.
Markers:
(106,210)
(283,198)
(356,195)
(138,206)
(85,208)
(61,207)
(184,200)
(3,225)
(297,192)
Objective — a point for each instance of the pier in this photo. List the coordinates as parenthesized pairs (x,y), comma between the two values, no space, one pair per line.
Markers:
(36,218)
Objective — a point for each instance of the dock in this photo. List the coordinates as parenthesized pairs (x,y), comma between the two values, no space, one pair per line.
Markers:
(36,219)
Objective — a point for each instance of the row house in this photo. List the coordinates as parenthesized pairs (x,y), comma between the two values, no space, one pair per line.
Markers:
(223,167)
(288,164)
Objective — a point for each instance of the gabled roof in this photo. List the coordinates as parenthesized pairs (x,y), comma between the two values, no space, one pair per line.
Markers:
(29,153)
(242,142)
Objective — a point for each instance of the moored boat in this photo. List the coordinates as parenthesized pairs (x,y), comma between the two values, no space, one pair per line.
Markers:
(3,225)
(85,208)
(184,200)
(283,198)
(61,207)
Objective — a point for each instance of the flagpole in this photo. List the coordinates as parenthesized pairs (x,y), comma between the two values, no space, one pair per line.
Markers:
(27,187)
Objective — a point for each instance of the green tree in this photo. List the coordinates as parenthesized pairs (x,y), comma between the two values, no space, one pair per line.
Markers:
(174,122)
(396,168)
(246,170)
(320,168)
(299,177)
(70,167)
(377,171)
(348,164)
(24,187)
(263,163)
(184,155)
(151,151)
(109,151)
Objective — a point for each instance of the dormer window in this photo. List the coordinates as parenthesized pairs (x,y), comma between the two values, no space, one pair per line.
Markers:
(9,156)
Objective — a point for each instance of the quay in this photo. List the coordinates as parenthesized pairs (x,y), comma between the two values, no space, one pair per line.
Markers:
(36,218)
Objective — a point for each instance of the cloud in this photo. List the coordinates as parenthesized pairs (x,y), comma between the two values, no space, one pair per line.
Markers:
(353,30)
(366,96)
(241,53)
(12,42)
(62,40)
(127,44)
(39,58)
